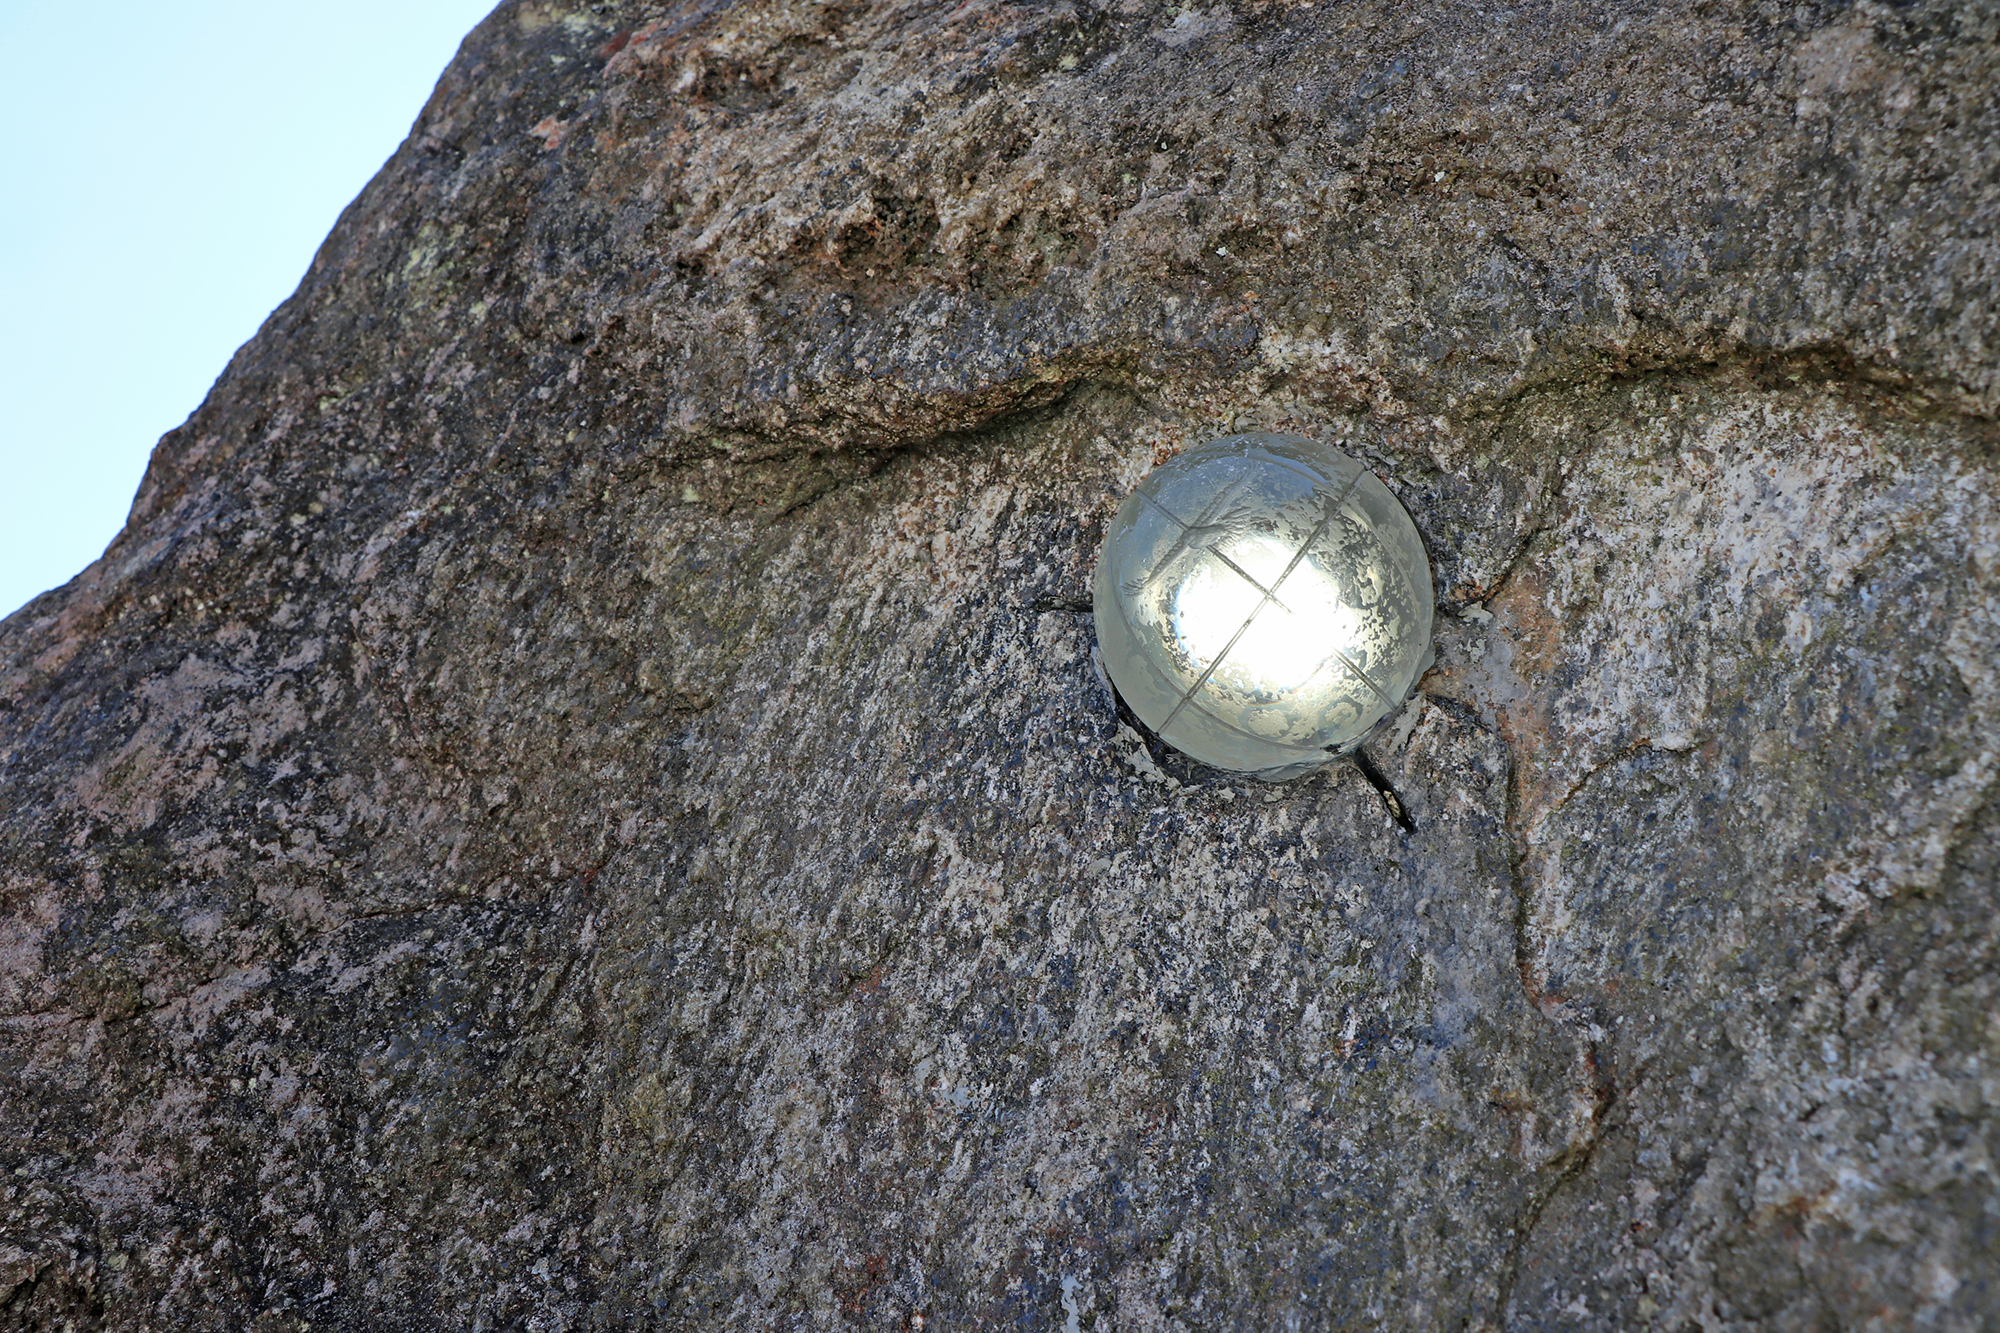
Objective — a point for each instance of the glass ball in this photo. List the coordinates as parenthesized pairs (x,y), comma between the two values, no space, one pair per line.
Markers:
(1262,603)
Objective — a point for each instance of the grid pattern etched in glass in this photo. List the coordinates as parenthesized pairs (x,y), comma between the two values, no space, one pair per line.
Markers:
(1263,601)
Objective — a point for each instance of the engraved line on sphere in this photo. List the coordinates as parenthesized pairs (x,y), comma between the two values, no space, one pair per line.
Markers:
(1209,713)
(1147,640)
(1312,476)
(1366,528)
(1362,676)
(1188,530)
(1270,592)
(1241,630)
(1266,600)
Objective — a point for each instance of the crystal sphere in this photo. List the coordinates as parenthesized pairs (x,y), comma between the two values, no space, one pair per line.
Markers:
(1262,603)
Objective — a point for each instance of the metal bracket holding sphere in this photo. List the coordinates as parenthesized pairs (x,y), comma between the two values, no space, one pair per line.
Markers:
(1263,603)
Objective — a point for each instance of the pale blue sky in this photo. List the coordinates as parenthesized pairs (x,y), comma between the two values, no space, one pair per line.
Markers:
(171,169)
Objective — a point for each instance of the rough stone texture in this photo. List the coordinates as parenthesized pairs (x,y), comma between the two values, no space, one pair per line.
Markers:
(580,798)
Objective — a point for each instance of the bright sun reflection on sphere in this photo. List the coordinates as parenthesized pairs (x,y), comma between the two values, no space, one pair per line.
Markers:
(1262,602)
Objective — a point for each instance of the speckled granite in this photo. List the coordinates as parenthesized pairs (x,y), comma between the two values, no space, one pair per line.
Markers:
(580,798)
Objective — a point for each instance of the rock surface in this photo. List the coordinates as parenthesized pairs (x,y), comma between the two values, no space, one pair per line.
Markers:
(580,798)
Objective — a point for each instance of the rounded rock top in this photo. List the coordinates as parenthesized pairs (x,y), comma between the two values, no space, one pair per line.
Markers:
(1262,602)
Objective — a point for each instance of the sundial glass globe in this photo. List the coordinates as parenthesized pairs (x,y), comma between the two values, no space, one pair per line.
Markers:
(1262,602)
